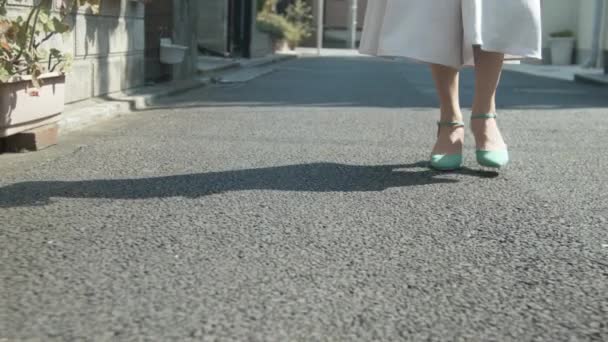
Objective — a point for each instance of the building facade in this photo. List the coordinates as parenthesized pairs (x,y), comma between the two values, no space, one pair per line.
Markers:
(119,47)
(578,17)
(227,28)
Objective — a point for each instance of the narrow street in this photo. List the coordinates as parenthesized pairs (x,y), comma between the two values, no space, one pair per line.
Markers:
(298,207)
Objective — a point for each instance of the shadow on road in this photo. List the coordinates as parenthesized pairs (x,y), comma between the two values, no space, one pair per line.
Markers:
(315,177)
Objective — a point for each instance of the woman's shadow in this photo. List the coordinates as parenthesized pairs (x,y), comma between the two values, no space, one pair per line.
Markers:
(314,177)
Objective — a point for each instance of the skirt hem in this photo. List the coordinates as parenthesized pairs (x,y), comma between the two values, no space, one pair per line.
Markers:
(511,55)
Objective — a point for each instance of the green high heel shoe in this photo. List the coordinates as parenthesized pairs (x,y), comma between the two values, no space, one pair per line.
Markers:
(447,162)
(496,158)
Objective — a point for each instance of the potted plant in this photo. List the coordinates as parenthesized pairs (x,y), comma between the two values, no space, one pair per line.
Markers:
(277,28)
(283,32)
(299,15)
(562,47)
(31,76)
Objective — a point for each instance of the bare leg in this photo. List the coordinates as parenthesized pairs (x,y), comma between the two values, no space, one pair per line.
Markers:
(450,139)
(488,67)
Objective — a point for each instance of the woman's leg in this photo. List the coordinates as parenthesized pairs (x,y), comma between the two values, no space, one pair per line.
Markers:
(450,139)
(488,67)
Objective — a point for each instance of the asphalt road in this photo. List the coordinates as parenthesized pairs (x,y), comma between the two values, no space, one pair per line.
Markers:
(298,207)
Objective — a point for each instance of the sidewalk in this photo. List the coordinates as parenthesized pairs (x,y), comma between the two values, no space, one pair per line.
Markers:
(89,112)
(328,52)
(558,72)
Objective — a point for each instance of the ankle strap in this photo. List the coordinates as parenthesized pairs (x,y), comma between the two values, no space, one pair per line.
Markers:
(450,124)
(483,116)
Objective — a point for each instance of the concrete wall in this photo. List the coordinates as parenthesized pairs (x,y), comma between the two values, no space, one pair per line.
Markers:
(559,15)
(586,13)
(576,16)
(261,44)
(186,17)
(212,26)
(158,22)
(108,48)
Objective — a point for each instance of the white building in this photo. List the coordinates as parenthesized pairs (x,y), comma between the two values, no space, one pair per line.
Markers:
(558,15)
(577,16)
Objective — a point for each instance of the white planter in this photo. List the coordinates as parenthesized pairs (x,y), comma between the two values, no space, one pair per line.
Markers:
(281,45)
(171,53)
(23,107)
(561,50)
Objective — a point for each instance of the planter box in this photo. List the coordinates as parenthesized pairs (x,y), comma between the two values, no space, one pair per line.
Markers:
(19,111)
(561,50)
(280,45)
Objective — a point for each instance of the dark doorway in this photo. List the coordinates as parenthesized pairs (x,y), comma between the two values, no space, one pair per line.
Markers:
(158,23)
(240,14)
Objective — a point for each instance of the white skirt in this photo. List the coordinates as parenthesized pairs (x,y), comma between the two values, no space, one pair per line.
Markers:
(445,31)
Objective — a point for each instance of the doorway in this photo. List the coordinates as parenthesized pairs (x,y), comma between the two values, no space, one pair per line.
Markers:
(158,20)
(240,25)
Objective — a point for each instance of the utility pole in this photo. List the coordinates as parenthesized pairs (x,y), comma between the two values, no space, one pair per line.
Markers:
(320,10)
(352,24)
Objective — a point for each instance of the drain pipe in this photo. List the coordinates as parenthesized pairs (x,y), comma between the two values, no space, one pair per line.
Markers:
(597,35)
(320,5)
(352,24)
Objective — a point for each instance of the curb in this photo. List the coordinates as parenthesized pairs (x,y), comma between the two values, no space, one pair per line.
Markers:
(90,112)
(597,80)
(271,59)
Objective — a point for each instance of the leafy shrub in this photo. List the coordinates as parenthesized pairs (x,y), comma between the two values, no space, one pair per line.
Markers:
(21,39)
(294,26)
(299,14)
(276,26)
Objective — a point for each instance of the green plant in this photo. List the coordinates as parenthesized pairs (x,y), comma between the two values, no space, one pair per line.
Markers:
(22,39)
(299,15)
(261,4)
(562,34)
(295,25)
(276,26)
(267,6)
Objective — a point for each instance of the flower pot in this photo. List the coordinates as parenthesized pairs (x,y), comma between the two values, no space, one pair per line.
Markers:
(561,50)
(171,53)
(280,45)
(23,107)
